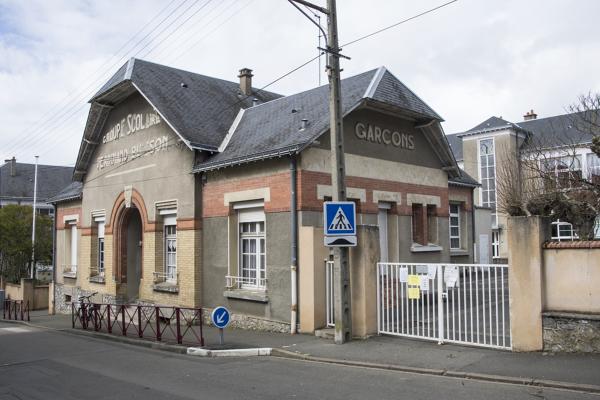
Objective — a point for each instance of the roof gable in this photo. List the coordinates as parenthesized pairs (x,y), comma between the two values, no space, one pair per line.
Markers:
(391,90)
(275,128)
(200,109)
(491,123)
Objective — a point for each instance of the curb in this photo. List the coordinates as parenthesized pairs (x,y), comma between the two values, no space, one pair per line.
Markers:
(200,352)
(578,387)
(276,352)
(192,351)
(99,335)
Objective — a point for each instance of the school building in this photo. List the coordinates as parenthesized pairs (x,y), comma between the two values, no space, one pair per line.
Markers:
(195,191)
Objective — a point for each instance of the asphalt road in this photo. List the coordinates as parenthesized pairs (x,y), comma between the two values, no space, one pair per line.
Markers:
(41,364)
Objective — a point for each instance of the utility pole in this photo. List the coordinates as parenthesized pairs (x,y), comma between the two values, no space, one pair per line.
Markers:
(33,219)
(343,316)
(342,295)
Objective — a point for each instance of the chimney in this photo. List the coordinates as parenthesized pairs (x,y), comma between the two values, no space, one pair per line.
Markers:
(246,81)
(529,116)
(13,166)
(304,124)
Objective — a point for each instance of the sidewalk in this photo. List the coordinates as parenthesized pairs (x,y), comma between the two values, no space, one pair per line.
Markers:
(403,354)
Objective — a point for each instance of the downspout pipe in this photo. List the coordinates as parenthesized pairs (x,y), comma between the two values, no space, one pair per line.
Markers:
(473,231)
(54,260)
(294,244)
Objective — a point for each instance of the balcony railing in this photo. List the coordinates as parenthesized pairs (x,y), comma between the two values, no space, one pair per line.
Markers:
(69,270)
(164,277)
(96,275)
(244,282)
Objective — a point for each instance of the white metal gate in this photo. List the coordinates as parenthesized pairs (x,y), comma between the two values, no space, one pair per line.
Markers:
(458,303)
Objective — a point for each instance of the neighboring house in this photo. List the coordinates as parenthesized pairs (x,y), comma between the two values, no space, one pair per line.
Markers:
(183,192)
(17,179)
(482,150)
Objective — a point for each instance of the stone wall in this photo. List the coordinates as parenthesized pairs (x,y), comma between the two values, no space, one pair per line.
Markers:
(63,307)
(243,321)
(554,295)
(571,333)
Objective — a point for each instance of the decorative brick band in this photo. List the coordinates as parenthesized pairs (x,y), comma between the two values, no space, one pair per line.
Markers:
(575,244)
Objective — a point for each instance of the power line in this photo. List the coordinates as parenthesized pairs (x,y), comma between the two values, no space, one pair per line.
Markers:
(184,35)
(58,142)
(198,41)
(399,23)
(346,44)
(76,110)
(76,99)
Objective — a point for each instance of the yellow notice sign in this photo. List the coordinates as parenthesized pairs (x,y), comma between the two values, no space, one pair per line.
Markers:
(414,293)
(413,280)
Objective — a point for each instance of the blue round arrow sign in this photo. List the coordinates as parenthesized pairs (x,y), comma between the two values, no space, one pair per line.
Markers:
(220,317)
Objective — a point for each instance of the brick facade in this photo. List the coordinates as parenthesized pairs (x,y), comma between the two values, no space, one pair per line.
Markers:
(308,201)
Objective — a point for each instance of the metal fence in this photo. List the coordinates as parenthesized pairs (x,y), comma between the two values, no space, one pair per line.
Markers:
(164,324)
(329,284)
(458,303)
(17,310)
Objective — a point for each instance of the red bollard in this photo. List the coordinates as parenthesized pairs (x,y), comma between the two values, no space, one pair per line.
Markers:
(177,318)
(158,334)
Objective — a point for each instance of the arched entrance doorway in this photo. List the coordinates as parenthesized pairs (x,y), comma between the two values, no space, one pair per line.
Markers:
(129,256)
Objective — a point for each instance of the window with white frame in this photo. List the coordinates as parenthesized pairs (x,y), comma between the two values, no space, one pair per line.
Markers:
(495,244)
(73,264)
(101,247)
(593,168)
(562,172)
(487,174)
(170,248)
(455,227)
(252,248)
(563,231)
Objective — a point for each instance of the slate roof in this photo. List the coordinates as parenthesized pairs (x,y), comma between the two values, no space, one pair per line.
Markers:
(70,192)
(491,123)
(455,142)
(274,128)
(199,108)
(51,179)
(463,180)
(559,130)
(201,113)
(549,132)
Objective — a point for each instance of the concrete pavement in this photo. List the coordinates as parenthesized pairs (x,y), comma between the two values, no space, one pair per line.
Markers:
(404,354)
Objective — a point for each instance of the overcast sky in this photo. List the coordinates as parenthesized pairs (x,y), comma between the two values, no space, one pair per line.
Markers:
(469,60)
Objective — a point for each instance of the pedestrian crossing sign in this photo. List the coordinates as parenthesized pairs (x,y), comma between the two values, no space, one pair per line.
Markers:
(339,223)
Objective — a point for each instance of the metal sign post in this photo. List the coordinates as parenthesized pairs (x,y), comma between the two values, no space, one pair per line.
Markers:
(220,318)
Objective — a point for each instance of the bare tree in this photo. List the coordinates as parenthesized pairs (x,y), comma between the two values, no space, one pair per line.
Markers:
(552,182)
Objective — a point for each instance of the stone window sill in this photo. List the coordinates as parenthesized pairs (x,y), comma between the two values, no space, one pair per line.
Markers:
(259,296)
(419,248)
(166,287)
(72,275)
(458,252)
(97,279)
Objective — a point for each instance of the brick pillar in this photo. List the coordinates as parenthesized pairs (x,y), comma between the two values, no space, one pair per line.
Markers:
(525,238)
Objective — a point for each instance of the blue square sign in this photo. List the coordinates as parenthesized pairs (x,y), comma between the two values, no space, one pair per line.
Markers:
(339,218)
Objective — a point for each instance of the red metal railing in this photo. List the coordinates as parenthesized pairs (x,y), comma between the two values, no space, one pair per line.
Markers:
(163,324)
(16,310)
